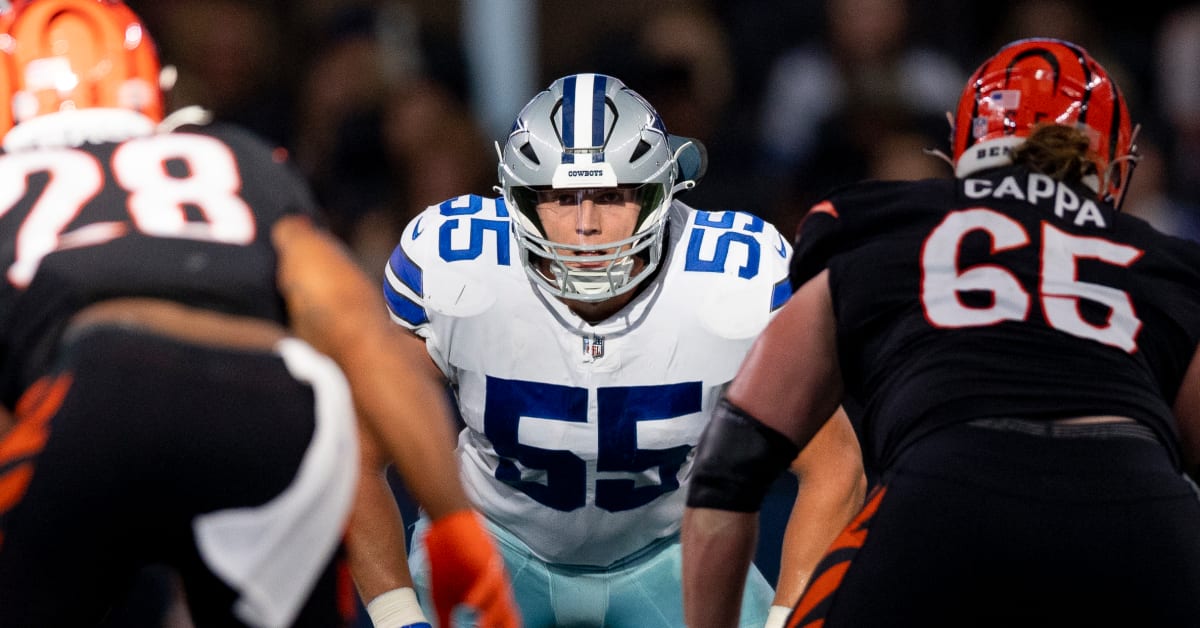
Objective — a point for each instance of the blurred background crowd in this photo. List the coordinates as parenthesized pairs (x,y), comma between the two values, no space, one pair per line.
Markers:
(388,106)
(391,105)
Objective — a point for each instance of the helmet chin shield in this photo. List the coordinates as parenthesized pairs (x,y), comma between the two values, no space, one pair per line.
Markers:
(589,132)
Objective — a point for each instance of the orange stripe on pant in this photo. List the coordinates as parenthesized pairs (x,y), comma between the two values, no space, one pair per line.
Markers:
(826,581)
(40,402)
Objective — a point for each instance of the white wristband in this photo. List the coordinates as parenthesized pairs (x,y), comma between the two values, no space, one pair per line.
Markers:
(396,609)
(777,616)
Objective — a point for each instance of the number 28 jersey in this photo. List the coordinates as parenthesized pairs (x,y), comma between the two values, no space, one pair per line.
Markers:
(1004,294)
(579,437)
(183,216)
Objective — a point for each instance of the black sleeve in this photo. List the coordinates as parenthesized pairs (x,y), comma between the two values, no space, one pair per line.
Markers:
(817,239)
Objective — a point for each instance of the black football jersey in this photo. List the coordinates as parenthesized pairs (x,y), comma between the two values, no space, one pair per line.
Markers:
(1004,294)
(185,216)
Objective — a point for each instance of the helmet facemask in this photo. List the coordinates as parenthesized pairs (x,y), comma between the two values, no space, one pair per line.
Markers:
(587,134)
(590,271)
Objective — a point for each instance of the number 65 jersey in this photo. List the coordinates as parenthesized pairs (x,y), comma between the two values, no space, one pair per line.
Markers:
(1002,295)
(579,437)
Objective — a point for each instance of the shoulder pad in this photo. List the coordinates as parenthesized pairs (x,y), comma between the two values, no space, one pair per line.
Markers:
(737,263)
(445,264)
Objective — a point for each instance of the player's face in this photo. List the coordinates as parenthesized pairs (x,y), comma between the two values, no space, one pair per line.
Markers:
(588,217)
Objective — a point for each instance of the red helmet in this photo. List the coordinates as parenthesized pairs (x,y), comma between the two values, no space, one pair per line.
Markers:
(1035,81)
(57,55)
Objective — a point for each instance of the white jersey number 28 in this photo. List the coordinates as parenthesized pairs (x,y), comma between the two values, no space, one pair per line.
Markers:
(156,199)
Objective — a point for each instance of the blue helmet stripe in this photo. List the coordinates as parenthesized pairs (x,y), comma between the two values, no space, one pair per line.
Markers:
(568,118)
(599,85)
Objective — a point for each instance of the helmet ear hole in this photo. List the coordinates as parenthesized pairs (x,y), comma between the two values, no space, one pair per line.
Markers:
(527,150)
(642,148)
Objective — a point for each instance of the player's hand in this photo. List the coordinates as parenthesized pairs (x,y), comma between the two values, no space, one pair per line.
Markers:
(466,568)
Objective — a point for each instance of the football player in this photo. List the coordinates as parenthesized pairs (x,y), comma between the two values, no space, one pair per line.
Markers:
(1025,360)
(184,349)
(587,321)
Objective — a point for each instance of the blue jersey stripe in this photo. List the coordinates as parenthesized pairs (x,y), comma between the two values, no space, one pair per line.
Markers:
(781,293)
(404,307)
(407,271)
(412,276)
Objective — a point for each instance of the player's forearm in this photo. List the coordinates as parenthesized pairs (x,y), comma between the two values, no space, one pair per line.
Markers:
(718,546)
(376,550)
(375,545)
(831,491)
(419,438)
(402,402)
(397,390)
(817,518)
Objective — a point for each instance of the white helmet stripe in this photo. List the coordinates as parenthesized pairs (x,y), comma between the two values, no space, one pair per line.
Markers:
(583,115)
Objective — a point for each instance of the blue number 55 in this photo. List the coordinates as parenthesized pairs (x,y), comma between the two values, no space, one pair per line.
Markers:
(620,409)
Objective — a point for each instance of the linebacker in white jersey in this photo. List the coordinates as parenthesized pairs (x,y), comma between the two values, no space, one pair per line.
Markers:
(587,322)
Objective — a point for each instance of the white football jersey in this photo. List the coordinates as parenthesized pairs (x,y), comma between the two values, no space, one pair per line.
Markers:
(580,437)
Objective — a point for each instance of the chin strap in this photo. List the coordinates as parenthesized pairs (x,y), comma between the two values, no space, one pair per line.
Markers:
(940,154)
(1133,158)
(192,114)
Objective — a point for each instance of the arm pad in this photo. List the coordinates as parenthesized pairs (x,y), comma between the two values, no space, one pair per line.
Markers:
(736,460)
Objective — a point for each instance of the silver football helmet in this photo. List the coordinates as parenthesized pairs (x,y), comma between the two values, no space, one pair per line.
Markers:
(589,131)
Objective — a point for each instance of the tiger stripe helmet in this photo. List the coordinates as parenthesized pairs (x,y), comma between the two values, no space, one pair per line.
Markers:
(59,55)
(1044,81)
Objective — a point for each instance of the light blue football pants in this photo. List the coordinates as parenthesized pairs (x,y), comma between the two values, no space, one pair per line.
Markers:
(644,590)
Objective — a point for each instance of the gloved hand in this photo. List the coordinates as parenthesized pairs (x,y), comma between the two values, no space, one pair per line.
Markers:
(466,568)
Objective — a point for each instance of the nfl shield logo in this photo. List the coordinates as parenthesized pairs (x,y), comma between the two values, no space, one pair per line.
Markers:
(593,346)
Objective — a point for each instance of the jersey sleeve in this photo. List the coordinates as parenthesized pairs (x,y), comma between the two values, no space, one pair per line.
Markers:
(817,240)
(445,269)
(404,276)
(735,266)
(777,265)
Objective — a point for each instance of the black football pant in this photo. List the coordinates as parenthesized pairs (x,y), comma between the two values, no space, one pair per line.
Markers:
(992,526)
(117,452)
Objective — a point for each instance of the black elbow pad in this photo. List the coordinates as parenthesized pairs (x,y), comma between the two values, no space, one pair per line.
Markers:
(737,459)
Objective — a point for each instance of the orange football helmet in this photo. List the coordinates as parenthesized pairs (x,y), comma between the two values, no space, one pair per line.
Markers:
(1036,81)
(58,55)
